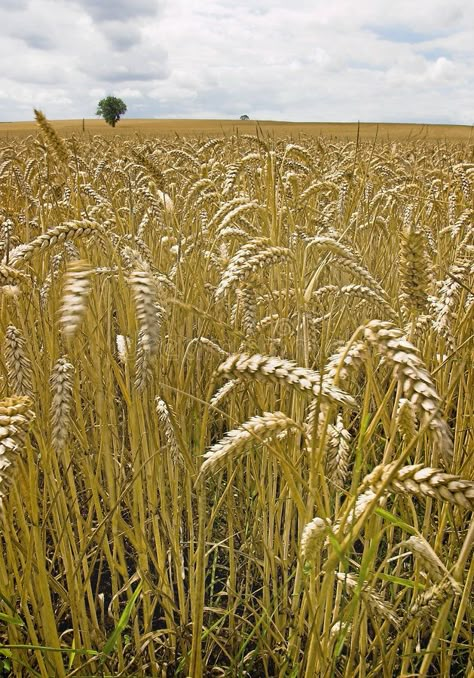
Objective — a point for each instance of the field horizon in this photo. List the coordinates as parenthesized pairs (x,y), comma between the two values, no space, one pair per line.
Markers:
(211,127)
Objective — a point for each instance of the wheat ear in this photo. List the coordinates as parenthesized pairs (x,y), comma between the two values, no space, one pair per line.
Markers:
(240,269)
(422,550)
(77,285)
(358,292)
(17,363)
(210,345)
(10,276)
(338,452)
(62,402)
(122,343)
(423,481)
(247,301)
(15,418)
(371,598)
(149,313)
(416,382)
(281,371)
(428,602)
(54,140)
(258,429)
(222,392)
(414,271)
(406,419)
(364,502)
(68,231)
(164,417)
(313,537)
(143,369)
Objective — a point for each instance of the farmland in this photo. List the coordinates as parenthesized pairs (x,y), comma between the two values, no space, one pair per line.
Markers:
(236,406)
(210,128)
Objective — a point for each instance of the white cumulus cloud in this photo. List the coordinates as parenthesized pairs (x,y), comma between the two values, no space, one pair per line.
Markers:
(280,59)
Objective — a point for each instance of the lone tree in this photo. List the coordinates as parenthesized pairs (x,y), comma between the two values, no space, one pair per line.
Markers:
(111,108)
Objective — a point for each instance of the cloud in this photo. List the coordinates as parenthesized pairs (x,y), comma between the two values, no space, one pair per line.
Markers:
(122,73)
(305,60)
(119,20)
(423,73)
(121,36)
(119,10)
(38,41)
(139,63)
(129,93)
(14,5)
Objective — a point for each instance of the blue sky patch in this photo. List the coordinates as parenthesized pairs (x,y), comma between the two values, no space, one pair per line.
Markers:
(402,34)
(433,53)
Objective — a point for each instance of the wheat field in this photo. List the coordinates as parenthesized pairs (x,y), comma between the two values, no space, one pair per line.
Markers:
(236,406)
(204,129)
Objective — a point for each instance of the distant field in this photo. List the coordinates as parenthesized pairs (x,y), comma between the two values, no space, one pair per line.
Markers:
(207,128)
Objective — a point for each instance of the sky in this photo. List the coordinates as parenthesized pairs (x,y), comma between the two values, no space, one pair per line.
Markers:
(296,60)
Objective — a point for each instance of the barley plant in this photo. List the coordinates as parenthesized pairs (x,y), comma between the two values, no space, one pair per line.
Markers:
(236,407)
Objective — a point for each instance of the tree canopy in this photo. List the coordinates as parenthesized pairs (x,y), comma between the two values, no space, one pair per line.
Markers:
(111,108)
